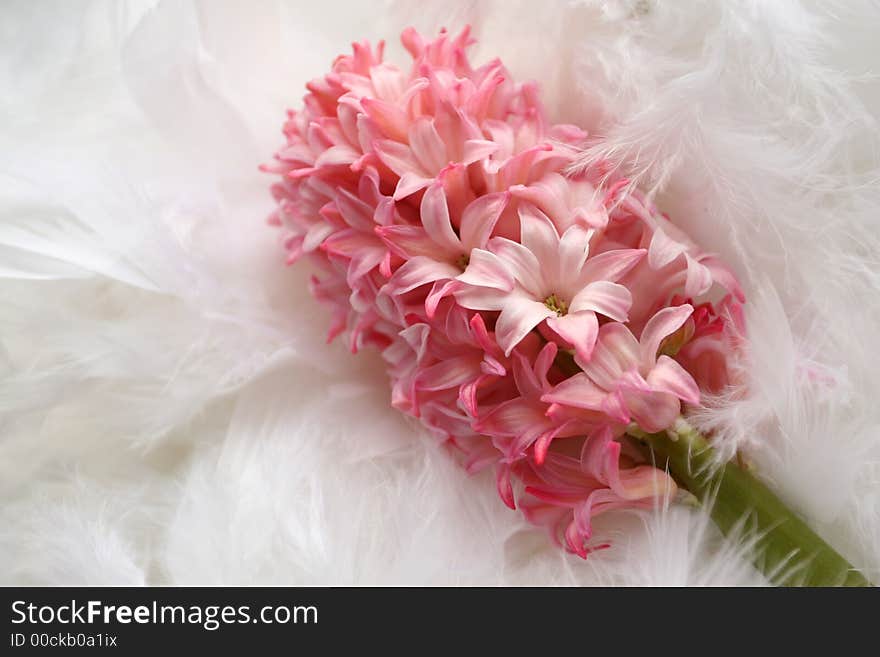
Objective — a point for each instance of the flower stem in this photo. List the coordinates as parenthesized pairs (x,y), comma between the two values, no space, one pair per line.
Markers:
(786,549)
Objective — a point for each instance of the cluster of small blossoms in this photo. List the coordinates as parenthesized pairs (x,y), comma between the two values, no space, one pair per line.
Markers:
(527,316)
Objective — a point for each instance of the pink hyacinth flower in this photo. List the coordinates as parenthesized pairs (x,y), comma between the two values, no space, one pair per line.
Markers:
(434,252)
(627,380)
(549,277)
(437,206)
(566,493)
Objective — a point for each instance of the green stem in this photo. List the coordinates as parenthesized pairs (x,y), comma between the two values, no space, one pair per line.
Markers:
(787,550)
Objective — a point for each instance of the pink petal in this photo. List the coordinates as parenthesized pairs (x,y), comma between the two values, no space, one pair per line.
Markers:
(427,145)
(514,417)
(577,391)
(398,157)
(518,169)
(416,336)
(502,134)
(409,184)
(614,406)
(600,458)
(354,211)
(663,249)
(390,118)
(349,242)
(723,276)
(439,291)
(538,234)
(698,278)
(481,298)
(388,81)
(479,219)
(362,263)
(407,241)
(669,376)
(481,336)
(467,395)
(457,328)
(435,219)
(633,381)
(610,299)
(457,185)
(578,328)
(616,351)
(568,133)
(600,454)
(412,94)
(544,362)
(337,156)
(421,270)
(652,411)
(664,323)
(412,41)
(576,540)
(522,264)
(449,373)
(574,246)
(477,149)
(527,383)
(645,481)
(297,153)
(516,449)
(492,366)
(485,269)
(542,444)
(368,187)
(385,214)
(549,194)
(559,495)
(368,133)
(316,234)
(502,482)
(518,316)
(611,265)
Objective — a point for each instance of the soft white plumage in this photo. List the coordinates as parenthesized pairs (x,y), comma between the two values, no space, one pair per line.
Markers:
(169,412)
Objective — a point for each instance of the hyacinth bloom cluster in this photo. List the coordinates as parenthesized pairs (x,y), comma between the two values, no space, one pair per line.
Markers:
(527,315)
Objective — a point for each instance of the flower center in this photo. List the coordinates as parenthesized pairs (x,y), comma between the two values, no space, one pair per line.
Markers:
(556,304)
(463,261)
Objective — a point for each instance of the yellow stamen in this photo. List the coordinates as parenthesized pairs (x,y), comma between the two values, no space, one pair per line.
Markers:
(556,304)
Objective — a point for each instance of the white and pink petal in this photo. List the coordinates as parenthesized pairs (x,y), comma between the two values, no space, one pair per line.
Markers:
(580,329)
(610,299)
(419,271)
(519,315)
(669,376)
